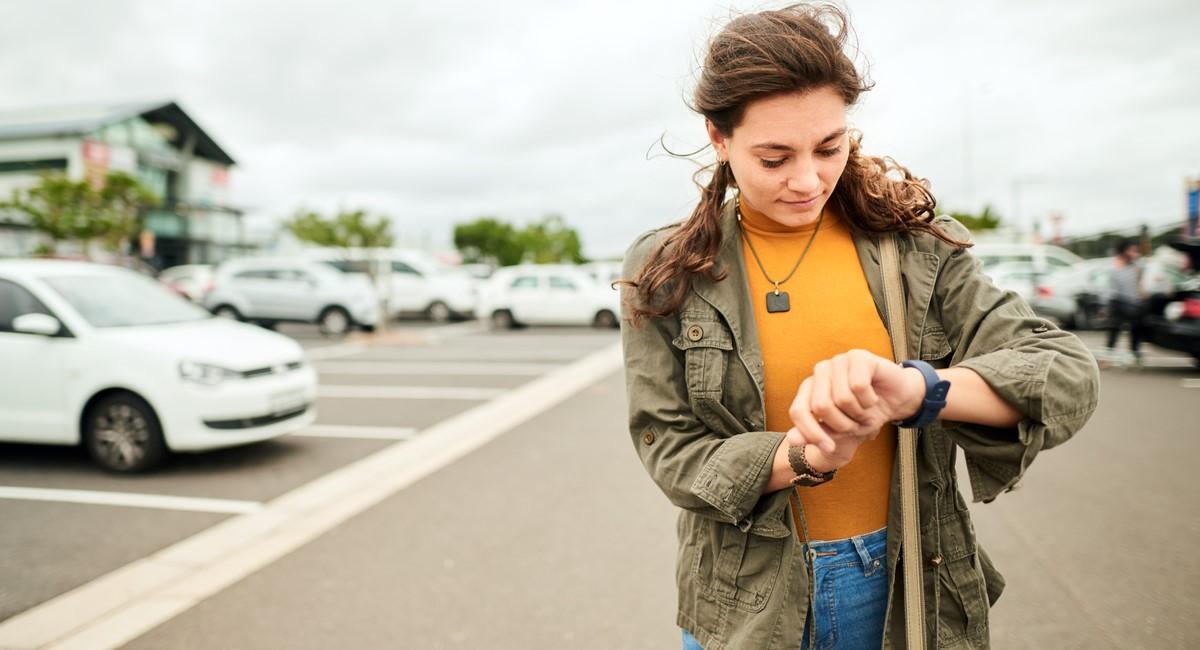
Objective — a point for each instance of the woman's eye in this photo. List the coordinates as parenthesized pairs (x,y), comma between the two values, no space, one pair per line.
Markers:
(829,153)
(771,164)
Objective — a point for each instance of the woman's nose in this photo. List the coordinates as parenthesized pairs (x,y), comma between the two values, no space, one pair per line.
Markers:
(804,181)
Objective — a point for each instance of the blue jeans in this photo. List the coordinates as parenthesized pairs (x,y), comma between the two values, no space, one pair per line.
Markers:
(850,584)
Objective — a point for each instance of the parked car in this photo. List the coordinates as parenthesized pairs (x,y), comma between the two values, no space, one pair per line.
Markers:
(603,272)
(418,284)
(107,358)
(1043,257)
(548,294)
(1019,277)
(1076,296)
(192,281)
(269,290)
(1177,325)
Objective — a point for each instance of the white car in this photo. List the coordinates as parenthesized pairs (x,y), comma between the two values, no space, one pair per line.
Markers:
(548,294)
(419,284)
(1043,257)
(192,281)
(1021,278)
(111,359)
(268,291)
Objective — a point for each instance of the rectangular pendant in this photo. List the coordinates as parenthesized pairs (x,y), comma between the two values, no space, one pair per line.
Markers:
(777,302)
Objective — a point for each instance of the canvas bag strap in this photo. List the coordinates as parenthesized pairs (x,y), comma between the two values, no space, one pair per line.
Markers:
(914,597)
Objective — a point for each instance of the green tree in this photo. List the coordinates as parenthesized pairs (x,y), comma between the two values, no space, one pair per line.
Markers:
(63,209)
(550,241)
(346,229)
(986,220)
(488,239)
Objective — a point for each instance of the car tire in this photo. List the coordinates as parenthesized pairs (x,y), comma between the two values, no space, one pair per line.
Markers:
(604,319)
(227,311)
(502,319)
(122,434)
(439,312)
(334,322)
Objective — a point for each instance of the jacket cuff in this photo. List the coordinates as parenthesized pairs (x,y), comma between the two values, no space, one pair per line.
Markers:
(733,478)
(1019,377)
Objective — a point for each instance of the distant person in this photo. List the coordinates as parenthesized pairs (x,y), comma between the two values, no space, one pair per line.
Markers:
(764,395)
(1126,307)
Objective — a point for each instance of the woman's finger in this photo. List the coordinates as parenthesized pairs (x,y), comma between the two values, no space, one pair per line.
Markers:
(804,421)
(822,404)
(844,398)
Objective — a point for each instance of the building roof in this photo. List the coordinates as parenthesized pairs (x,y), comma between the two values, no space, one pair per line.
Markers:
(80,120)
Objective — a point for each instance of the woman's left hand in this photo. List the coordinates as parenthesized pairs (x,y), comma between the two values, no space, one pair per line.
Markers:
(853,395)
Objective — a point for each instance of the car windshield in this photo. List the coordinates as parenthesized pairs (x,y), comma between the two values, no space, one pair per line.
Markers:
(120,300)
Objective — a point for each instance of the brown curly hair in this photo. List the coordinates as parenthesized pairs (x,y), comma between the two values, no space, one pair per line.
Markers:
(796,49)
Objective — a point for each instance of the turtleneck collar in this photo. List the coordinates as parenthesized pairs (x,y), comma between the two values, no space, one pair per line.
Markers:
(760,224)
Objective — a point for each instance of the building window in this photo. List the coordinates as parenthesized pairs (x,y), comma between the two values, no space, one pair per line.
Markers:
(26,166)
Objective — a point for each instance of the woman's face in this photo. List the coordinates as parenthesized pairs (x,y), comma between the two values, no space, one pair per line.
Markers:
(788,153)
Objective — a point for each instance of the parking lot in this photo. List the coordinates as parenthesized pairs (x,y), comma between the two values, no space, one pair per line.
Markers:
(67,523)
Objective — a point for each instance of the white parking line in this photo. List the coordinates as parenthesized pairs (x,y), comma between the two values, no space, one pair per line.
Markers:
(1191,383)
(131,500)
(478,354)
(334,351)
(118,607)
(347,431)
(408,392)
(432,368)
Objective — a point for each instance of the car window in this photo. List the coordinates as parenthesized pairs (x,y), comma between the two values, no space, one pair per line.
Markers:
(15,301)
(559,282)
(116,300)
(257,274)
(525,282)
(401,267)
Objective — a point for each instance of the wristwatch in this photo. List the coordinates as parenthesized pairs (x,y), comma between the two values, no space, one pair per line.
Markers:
(806,476)
(936,390)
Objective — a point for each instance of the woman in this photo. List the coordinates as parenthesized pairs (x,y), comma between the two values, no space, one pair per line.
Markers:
(760,373)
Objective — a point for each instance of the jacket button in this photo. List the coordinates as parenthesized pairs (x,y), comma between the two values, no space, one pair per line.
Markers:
(695,333)
(936,559)
(648,437)
(1041,329)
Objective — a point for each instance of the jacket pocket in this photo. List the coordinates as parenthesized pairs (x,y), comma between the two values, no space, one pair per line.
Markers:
(737,568)
(961,598)
(707,344)
(934,344)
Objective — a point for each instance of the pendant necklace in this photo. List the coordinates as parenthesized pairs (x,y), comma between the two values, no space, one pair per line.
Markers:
(777,301)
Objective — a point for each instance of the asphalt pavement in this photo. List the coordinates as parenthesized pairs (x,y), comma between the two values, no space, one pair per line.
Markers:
(551,535)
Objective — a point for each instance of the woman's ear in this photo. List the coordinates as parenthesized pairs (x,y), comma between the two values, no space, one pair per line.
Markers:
(720,146)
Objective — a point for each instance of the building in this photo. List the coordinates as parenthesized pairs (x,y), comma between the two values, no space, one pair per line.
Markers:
(158,143)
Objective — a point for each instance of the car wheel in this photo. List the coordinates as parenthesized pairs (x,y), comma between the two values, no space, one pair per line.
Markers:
(439,312)
(227,311)
(334,322)
(604,319)
(122,434)
(502,319)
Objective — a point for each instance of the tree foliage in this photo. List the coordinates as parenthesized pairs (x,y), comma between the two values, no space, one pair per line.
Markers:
(488,239)
(986,220)
(64,209)
(346,229)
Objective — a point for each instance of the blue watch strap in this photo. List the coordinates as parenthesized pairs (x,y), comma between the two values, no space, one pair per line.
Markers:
(936,390)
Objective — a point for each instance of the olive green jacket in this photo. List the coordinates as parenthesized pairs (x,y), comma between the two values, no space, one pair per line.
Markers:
(696,414)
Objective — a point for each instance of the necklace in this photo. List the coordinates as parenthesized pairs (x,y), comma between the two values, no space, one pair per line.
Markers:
(778,301)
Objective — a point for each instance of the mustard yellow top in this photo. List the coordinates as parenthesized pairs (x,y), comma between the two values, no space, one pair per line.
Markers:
(831,312)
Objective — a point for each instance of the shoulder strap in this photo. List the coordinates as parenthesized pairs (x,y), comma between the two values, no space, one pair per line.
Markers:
(910,548)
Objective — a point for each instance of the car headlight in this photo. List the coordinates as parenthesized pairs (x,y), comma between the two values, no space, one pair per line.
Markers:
(205,373)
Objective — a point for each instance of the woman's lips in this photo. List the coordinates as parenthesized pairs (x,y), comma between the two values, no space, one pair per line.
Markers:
(801,204)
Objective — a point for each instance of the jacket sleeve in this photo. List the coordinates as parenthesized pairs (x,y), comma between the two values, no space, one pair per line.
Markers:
(717,477)
(1046,373)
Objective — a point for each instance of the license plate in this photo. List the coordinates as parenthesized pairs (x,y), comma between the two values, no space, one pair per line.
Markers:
(287,401)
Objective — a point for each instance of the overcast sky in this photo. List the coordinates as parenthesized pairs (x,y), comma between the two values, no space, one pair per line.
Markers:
(439,112)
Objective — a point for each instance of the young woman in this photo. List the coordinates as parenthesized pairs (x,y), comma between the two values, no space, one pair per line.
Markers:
(761,381)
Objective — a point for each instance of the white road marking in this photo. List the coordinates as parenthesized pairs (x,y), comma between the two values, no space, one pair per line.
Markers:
(131,500)
(433,368)
(476,354)
(347,431)
(408,392)
(116,608)
(334,351)
(1191,383)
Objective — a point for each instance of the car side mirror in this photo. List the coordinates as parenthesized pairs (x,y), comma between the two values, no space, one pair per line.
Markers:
(40,324)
